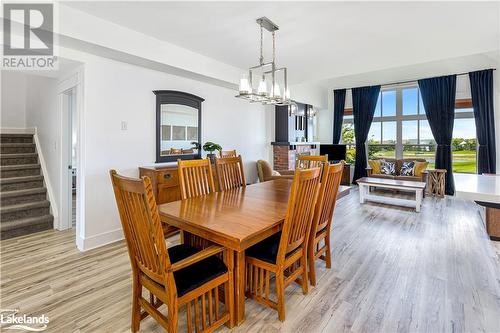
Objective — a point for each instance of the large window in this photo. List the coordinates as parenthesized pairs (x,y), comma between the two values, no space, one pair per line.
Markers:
(400,130)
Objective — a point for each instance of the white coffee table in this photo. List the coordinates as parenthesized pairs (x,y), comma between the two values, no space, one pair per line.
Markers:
(405,185)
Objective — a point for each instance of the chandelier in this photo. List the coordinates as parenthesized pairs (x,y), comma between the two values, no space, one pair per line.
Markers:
(272,88)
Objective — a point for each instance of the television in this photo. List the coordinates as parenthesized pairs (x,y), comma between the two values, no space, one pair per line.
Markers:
(335,153)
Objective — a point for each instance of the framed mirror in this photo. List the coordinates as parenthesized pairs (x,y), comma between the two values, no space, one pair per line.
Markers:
(178,125)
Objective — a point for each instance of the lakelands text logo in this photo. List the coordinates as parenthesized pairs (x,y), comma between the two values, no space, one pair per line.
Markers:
(28,36)
(10,319)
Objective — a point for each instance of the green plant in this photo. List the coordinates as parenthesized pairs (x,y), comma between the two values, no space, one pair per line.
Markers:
(196,145)
(211,147)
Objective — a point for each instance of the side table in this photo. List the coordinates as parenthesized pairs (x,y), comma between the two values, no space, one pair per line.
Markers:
(436,182)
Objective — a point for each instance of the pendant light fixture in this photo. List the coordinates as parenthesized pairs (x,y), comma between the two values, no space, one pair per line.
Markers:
(272,87)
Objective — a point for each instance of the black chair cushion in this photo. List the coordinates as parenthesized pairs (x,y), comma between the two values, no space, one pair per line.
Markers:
(191,277)
(267,250)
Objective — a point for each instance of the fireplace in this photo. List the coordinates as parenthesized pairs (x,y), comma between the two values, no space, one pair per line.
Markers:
(285,154)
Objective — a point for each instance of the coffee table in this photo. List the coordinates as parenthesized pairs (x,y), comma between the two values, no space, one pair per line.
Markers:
(406,185)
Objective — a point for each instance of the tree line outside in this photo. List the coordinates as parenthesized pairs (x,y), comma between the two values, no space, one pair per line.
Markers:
(463,150)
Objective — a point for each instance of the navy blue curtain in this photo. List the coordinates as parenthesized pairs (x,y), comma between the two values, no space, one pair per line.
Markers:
(338,114)
(438,95)
(481,85)
(364,101)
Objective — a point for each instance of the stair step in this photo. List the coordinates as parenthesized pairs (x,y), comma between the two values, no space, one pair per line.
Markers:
(19,170)
(24,210)
(25,226)
(16,138)
(14,148)
(20,183)
(12,159)
(21,196)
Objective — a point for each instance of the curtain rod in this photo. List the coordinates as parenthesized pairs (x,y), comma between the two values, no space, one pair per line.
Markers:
(415,80)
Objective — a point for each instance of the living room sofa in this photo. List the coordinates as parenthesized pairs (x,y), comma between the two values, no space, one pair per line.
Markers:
(421,175)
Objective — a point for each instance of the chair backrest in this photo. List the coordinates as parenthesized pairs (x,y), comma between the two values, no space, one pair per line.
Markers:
(228,153)
(311,161)
(230,173)
(195,178)
(303,196)
(264,170)
(330,183)
(141,226)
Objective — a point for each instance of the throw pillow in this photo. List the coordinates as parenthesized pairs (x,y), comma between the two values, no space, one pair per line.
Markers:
(407,168)
(276,173)
(375,165)
(419,168)
(388,168)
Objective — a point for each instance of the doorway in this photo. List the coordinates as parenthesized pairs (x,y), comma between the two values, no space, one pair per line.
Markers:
(71,193)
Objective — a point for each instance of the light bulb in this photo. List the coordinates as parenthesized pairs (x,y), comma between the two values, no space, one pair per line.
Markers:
(276,90)
(262,90)
(245,85)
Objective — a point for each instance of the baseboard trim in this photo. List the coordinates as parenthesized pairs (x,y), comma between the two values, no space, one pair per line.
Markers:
(92,242)
(16,130)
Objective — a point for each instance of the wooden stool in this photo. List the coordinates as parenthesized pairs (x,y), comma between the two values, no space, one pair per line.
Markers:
(436,182)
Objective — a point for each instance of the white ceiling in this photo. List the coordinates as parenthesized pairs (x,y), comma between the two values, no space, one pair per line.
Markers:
(316,40)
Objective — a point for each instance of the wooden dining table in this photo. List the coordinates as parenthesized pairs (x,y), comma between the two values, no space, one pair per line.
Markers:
(236,219)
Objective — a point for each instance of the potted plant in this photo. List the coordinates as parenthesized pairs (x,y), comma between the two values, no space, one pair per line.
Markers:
(210,147)
(195,145)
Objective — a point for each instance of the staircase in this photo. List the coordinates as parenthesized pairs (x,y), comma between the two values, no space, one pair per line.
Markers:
(24,208)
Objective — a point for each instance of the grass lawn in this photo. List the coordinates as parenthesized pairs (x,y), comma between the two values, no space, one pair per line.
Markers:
(463,160)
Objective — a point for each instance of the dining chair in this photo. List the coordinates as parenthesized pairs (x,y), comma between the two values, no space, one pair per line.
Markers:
(230,173)
(178,276)
(320,228)
(195,178)
(311,161)
(228,153)
(284,254)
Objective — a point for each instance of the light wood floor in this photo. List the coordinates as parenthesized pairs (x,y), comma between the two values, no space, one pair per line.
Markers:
(394,270)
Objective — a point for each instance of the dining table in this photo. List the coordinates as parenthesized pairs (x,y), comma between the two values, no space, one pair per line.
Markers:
(236,219)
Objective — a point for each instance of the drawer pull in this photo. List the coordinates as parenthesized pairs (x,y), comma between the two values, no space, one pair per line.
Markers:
(167,176)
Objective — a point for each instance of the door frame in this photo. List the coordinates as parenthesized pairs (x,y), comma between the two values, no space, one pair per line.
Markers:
(73,81)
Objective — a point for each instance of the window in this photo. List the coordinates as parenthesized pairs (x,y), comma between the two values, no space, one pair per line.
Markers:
(382,135)
(400,129)
(464,145)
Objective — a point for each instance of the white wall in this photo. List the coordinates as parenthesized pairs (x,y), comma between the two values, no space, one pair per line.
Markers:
(116,92)
(42,112)
(13,100)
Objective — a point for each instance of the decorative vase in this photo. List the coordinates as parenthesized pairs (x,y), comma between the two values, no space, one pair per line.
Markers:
(211,156)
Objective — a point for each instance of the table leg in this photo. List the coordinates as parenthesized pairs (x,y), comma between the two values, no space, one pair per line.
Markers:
(362,189)
(418,199)
(239,286)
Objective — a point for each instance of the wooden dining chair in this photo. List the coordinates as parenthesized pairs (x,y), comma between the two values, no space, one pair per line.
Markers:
(320,228)
(284,254)
(195,178)
(228,153)
(311,161)
(230,173)
(178,276)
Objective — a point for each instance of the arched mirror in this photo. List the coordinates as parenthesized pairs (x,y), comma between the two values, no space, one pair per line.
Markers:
(178,125)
